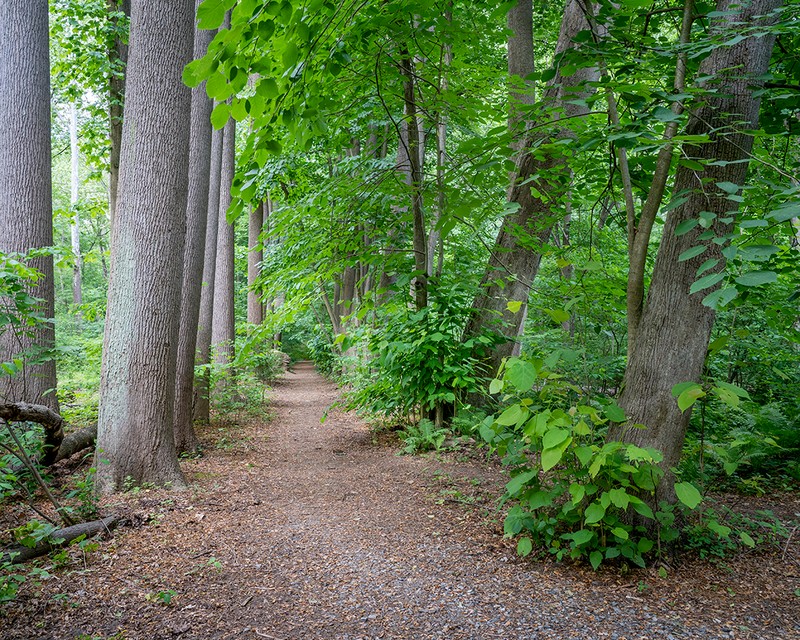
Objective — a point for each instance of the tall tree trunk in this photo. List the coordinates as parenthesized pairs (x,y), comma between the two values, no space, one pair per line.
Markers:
(26,219)
(675,327)
(415,159)
(255,255)
(514,262)
(75,225)
(202,384)
(521,58)
(137,386)
(194,251)
(223,334)
(118,55)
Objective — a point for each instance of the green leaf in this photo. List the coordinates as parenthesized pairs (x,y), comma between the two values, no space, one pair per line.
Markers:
(517,482)
(692,253)
(524,547)
(756,278)
(511,415)
(219,116)
(495,386)
(551,457)
(554,437)
(558,315)
(686,226)
(211,13)
(522,375)
(728,187)
(720,297)
(514,306)
(688,494)
(620,533)
(688,397)
(747,539)
(594,513)
(619,498)
(595,558)
(582,536)
(705,282)
(614,412)
(679,388)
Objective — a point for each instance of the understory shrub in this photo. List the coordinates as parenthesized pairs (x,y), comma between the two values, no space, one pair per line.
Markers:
(573,493)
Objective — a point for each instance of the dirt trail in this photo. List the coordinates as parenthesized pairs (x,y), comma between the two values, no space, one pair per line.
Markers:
(313,531)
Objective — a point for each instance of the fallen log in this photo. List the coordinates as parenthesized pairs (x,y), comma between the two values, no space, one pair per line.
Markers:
(18,555)
(76,441)
(52,422)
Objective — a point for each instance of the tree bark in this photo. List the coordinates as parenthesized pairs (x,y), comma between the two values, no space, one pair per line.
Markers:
(193,255)
(675,327)
(137,386)
(118,55)
(75,225)
(255,255)
(202,388)
(515,257)
(26,214)
(223,334)
(67,535)
(51,421)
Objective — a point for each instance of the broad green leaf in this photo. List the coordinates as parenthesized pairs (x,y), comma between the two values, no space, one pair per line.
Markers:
(595,558)
(594,513)
(621,533)
(517,482)
(720,297)
(522,375)
(211,13)
(558,315)
(619,498)
(495,386)
(551,457)
(747,539)
(756,278)
(554,437)
(614,412)
(512,415)
(524,547)
(686,226)
(706,281)
(539,499)
(679,388)
(688,397)
(728,187)
(219,116)
(692,253)
(514,306)
(688,494)
(582,536)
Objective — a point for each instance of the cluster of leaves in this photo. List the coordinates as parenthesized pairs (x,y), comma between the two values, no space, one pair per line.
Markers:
(423,436)
(573,492)
(418,361)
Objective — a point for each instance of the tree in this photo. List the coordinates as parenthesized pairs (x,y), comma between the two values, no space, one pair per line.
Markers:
(137,390)
(202,388)
(118,13)
(223,336)
(675,327)
(194,252)
(25,188)
(538,184)
(255,254)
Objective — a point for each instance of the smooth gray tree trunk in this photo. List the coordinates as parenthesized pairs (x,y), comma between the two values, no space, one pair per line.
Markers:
(675,327)
(223,334)
(137,386)
(255,255)
(194,251)
(26,215)
(202,388)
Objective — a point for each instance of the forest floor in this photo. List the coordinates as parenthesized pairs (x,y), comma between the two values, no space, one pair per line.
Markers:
(294,528)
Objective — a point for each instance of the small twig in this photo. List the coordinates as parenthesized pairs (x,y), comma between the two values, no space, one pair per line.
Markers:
(246,602)
(788,540)
(266,635)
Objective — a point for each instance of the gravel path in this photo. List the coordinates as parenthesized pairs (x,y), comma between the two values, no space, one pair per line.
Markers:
(315,532)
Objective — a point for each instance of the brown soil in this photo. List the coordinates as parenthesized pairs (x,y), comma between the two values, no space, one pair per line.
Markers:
(302,529)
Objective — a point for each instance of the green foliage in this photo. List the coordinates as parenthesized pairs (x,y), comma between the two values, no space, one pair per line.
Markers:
(418,361)
(573,492)
(423,436)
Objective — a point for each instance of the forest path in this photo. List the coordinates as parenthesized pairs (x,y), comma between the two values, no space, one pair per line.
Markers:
(312,530)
